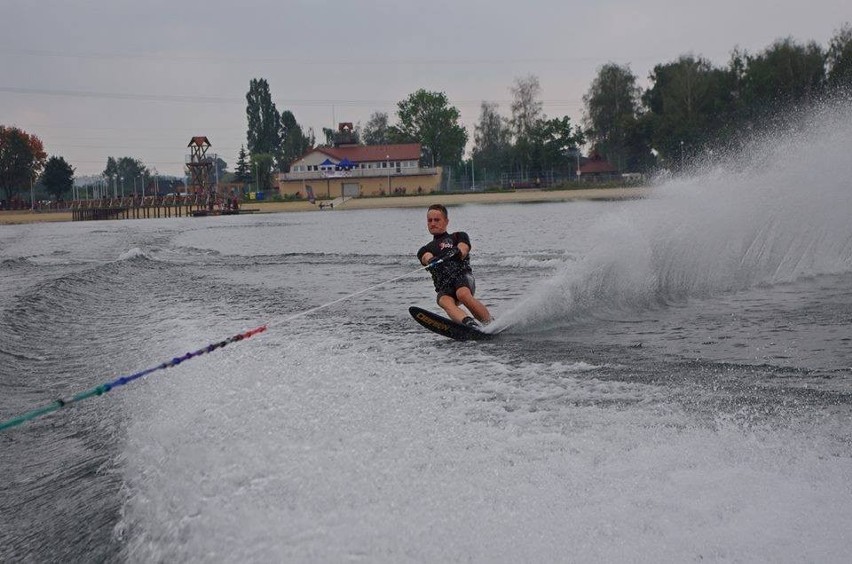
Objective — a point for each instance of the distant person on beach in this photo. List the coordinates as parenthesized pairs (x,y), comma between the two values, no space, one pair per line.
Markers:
(449,254)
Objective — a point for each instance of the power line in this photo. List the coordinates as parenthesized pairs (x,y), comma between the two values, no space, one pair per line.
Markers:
(183,98)
(335,60)
(122,96)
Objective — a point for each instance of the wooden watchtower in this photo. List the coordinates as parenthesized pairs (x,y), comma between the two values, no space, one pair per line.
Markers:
(199,166)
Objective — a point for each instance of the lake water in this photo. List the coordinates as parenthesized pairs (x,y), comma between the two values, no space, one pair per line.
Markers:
(674,384)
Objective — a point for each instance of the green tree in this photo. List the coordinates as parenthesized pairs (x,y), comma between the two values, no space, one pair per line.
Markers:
(639,157)
(111,169)
(377,131)
(242,173)
(689,105)
(294,142)
(58,177)
(126,175)
(612,106)
(526,113)
(526,105)
(263,119)
(840,59)
(551,142)
(22,158)
(492,142)
(428,118)
(785,73)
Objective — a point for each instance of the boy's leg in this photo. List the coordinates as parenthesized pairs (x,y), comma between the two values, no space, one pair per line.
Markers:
(479,311)
(451,306)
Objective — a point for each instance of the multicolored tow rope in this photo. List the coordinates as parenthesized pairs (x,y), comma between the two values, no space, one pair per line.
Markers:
(104,388)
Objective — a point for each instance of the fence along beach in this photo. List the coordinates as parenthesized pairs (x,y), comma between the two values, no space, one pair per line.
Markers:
(151,208)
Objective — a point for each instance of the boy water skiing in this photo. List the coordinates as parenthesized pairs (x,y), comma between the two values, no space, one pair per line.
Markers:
(449,254)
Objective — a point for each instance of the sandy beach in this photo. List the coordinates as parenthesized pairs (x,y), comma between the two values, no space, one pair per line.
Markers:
(456,199)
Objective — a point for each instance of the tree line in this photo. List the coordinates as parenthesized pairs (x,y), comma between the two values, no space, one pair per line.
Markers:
(690,106)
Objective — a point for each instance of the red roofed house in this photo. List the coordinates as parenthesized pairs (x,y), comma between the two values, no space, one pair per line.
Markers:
(597,168)
(359,170)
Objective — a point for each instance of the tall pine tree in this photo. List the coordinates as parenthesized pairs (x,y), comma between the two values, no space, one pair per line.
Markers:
(263,119)
(242,173)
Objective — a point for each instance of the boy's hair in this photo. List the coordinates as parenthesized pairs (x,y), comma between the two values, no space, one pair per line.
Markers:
(441,208)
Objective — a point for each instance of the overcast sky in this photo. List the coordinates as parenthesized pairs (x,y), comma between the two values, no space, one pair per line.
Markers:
(94,79)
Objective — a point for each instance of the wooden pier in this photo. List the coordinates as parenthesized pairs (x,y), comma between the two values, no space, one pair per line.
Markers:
(149,207)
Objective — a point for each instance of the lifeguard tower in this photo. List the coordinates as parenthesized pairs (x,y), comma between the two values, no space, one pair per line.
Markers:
(200,168)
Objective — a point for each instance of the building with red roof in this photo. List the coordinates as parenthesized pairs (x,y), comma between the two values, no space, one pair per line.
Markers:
(350,170)
(598,168)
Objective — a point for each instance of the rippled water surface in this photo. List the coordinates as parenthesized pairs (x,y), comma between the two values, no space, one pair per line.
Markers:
(673,385)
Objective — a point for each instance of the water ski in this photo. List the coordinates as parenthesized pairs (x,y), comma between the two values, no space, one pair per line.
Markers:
(447,327)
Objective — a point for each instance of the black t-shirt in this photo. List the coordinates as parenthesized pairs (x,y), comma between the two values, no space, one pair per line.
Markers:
(449,273)
(444,241)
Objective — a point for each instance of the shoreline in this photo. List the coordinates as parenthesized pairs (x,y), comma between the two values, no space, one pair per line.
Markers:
(19,217)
